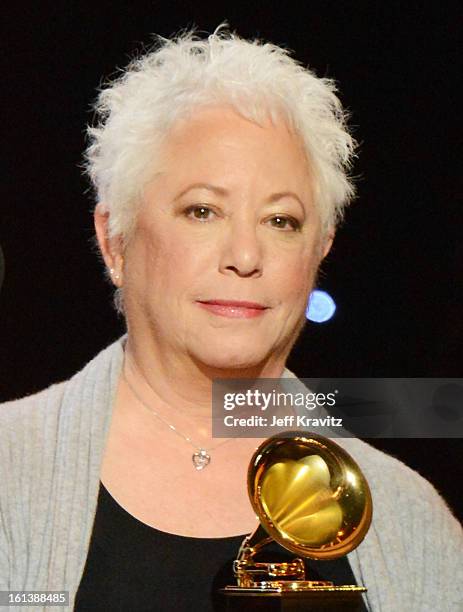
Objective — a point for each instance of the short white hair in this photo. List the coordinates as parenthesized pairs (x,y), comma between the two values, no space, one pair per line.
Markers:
(135,112)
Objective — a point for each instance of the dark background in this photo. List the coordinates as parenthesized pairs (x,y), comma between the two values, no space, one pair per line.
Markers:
(395,268)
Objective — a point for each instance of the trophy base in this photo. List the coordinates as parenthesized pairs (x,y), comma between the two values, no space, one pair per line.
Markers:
(316,599)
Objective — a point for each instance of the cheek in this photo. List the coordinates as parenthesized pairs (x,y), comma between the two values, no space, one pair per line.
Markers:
(295,275)
(175,265)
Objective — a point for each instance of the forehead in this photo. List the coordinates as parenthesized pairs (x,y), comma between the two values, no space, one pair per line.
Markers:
(217,140)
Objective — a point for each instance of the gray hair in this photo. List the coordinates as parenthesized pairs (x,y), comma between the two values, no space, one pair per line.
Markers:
(135,112)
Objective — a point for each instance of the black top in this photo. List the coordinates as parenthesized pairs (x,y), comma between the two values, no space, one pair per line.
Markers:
(133,567)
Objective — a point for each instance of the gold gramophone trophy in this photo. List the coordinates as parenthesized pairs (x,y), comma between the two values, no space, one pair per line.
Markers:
(311,498)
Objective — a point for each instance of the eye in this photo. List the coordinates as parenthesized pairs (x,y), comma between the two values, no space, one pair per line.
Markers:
(285,223)
(199,212)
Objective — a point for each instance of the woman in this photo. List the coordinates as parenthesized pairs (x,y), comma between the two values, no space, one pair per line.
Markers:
(220,167)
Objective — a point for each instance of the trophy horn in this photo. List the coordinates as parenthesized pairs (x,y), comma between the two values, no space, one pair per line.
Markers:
(309,496)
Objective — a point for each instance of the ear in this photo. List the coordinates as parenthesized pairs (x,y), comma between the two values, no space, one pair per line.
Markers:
(111,248)
(327,242)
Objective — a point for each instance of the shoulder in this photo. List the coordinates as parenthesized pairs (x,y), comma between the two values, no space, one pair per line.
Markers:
(32,420)
(412,524)
(392,481)
(22,418)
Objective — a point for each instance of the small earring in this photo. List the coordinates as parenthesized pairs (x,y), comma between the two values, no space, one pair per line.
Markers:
(113,274)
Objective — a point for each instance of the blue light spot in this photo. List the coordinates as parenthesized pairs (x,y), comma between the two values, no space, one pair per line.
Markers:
(321,306)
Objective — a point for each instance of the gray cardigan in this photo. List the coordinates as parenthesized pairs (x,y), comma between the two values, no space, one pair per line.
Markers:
(51,448)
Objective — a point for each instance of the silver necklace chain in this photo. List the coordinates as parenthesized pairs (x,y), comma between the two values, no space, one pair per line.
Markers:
(201,458)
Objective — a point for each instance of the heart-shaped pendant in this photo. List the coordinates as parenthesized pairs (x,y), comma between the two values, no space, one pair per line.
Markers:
(201,459)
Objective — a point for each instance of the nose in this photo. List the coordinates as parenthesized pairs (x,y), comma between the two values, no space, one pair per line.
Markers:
(241,251)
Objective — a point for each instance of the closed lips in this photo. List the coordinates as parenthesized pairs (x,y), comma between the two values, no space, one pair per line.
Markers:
(234,309)
(234,303)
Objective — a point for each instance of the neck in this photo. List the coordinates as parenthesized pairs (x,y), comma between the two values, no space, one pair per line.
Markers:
(179,381)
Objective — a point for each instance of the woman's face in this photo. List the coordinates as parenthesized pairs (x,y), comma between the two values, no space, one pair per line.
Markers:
(229,218)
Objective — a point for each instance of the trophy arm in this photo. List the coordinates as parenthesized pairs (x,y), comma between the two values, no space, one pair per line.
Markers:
(250,574)
(252,543)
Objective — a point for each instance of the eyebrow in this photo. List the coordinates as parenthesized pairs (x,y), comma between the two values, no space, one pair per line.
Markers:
(285,194)
(224,192)
(208,186)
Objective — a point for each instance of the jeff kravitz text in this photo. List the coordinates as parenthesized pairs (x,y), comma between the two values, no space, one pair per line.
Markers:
(289,420)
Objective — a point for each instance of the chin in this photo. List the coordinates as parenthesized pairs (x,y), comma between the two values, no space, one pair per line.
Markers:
(231,358)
